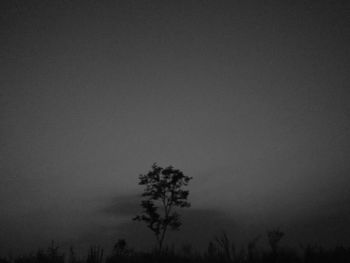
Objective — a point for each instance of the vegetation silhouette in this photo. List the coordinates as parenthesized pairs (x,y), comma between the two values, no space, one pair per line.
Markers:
(95,255)
(163,193)
(220,250)
(274,237)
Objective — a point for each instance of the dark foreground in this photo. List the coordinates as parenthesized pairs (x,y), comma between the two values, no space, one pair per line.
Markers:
(219,251)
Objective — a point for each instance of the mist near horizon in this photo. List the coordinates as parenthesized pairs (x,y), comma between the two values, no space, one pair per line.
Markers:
(250,99)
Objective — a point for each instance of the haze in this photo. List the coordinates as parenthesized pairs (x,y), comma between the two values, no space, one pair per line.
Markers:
(250,99)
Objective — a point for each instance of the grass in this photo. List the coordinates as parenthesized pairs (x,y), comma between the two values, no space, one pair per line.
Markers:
(220,250)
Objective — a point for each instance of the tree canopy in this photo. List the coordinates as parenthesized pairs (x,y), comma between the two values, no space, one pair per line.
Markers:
(162,194)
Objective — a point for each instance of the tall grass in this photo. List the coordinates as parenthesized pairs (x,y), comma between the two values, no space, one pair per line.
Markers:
(220,250)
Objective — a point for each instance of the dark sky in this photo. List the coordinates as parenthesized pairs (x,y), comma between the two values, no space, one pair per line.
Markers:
(251,98)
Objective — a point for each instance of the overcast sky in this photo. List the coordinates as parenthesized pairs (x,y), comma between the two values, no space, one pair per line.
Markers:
(249,98)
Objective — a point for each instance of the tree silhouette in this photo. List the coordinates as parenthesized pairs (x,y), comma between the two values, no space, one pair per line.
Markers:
(162,194)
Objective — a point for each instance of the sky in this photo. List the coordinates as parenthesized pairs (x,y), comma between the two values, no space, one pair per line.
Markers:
(250,98)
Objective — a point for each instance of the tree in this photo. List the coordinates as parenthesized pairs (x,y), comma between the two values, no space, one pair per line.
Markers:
(163,193)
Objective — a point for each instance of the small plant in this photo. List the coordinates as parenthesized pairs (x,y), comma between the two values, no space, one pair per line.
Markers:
(224,244)
(95,255)
(212,252)
(252,249)
(121,248)
(274,237)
